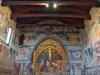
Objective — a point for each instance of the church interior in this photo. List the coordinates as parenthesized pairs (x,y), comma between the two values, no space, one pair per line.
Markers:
(49,37)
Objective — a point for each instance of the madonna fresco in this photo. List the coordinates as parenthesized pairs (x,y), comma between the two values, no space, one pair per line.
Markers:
(49,56)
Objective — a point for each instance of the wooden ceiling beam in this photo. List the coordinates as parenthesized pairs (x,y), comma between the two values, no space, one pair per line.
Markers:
(68,3)
(76,16)
(65,10)
(80,26)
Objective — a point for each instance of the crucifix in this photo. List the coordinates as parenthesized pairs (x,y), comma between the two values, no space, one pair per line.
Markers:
(49,49)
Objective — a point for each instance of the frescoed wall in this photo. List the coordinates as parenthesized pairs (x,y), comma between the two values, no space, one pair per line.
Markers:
(65,36)
(5,22)
(81,46)
(7,50)
(93,25)
(93,31)
(71,35)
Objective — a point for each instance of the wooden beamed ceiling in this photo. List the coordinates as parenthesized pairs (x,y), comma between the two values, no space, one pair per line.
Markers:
(28,13)
(80,16)
(66,2)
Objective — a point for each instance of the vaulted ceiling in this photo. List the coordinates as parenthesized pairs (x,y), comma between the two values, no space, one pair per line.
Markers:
(31,13)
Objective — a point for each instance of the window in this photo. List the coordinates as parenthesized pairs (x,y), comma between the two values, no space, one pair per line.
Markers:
(9,30)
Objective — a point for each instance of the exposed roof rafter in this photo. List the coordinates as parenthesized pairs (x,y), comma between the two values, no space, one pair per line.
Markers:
(28,13)
(79,26)
(80,16)
(73,3)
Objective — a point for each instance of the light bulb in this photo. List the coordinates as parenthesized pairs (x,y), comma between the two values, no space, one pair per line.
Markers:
(47,5)
(54,5)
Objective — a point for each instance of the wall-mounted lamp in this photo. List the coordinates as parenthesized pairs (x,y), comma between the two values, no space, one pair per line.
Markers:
(54,5)
(47,5)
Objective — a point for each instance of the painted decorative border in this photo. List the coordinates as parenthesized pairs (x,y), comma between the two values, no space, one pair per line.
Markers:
(88,57)
(97,53)
(76,55)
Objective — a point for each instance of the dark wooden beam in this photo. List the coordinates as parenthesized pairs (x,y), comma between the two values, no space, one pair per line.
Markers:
(76,16)
(26,9)
(79,26)
(68,3)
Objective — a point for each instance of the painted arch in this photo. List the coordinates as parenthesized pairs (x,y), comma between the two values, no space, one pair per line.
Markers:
(52,49)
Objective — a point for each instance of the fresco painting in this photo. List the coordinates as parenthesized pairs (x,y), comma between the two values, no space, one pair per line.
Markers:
(78,68)
(1,18)
(1,21)
(4,33)
(75,53)
(29,38)
(6,66)
(73,38)
(97,53)
(89,56)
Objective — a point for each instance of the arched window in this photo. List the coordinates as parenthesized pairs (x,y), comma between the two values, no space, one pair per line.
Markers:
(9,30)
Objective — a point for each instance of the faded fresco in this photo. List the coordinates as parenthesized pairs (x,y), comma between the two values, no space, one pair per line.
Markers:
(34,55)
(72,36)
(88,55)
(97,53)
(47,58)
(6,66)
(6,52)
(43,61)
(92,52)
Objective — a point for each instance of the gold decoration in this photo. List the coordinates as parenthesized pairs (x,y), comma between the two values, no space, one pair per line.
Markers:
(50,48)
